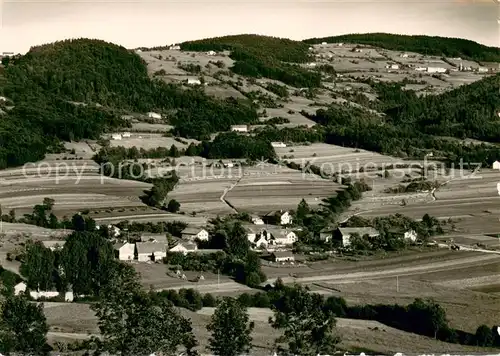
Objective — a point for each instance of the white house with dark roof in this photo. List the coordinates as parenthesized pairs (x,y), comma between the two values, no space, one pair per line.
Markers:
(184,247)
(150,251)
(154,115)
(278,217)
(192,233)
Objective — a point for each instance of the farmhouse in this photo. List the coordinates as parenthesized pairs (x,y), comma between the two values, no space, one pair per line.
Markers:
(278,217)
(53,245)
(126,134)
(193,81)
(496,164)
(482,69)
(116,136)
(184,247)
(154,115)
(211,53)
(343,234)
(175,47)
(326,234)
(193,233)
(278,144)
(150,237)
(124,251)
(239,128)
(283,256)
(404,55)
(150,251)
(278,236)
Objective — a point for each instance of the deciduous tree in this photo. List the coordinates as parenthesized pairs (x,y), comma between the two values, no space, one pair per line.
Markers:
(231,329)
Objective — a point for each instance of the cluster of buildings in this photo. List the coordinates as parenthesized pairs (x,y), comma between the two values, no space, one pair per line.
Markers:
(154,247)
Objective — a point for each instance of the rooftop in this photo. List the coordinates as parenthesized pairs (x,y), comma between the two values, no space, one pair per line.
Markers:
(361,231)
(150,247)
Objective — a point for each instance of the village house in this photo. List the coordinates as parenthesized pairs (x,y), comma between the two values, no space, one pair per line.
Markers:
(496,164)
(193,233)
(211,53)
(283,256)
(53,245)
(278,217)
(239,128)
(193,81)
(124,251)
(175,47)
(343,234)
(116,136)
(153,115)
(184,247)
(436,70)
(278,236)
(126,135)
(150,251)
(278,144)
(151,237)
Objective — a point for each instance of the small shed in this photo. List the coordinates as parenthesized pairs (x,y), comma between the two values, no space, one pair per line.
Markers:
(496,165)
(116,136)
(283,256)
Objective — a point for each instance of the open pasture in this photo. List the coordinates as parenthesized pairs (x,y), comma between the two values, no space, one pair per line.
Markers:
(261,194)
(336,158)
(149,141)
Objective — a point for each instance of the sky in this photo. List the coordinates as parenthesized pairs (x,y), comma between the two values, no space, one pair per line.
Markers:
(160,22)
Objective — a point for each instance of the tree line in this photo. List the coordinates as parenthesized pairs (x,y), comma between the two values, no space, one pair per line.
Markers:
(427,45)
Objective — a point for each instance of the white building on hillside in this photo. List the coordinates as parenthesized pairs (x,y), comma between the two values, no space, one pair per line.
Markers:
(175,47)
(126,134)
(239,128)
(211,53)
(193,81)
(116,136)
(278,217)
(496,165)
(436,70)
(153,115)
(277,236)
(278,144)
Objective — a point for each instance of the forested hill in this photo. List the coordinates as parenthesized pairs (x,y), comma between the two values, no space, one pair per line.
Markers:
(45,84)
(428,45)
(263,56)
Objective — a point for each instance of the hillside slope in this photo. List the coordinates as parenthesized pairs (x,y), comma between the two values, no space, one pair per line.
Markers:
(428,45)
(77,89)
